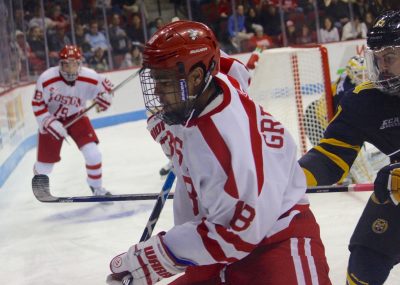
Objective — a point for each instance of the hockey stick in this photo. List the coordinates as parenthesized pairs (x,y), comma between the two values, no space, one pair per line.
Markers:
(41,190)
(126,80)
(155,214)
(341,188)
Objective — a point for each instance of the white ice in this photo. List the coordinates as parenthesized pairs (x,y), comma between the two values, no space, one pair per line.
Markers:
(57,244)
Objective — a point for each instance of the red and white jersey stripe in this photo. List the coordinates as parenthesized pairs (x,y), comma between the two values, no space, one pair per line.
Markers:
(238,180)
(236,69)
(54,95)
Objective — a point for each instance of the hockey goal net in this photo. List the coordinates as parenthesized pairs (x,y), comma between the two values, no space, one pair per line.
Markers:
(294,85)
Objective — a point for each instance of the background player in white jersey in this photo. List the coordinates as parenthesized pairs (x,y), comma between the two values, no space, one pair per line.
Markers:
(240,210)
(61,94)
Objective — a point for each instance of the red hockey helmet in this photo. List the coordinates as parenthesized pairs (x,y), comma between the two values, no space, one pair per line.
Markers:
(173,52)
(70,62)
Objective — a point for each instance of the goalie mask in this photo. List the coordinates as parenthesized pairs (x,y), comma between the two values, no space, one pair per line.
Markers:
(356,69)
(170,58)
(383,52)
(70,62)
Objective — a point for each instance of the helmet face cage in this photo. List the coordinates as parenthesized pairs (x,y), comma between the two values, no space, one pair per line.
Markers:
(70,62)
(70,68)
(356,69)
(384,68)
(166,95)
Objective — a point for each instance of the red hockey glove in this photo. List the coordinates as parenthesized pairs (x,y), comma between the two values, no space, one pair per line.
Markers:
(148,262)
(387,184)
(54,127)
(160,134)
(103,101)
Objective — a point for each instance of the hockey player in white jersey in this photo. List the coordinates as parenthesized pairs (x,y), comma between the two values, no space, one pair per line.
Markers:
(60,96)
(228,66)
(240,210)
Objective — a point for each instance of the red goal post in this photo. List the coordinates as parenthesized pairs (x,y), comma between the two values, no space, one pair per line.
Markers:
(294,85)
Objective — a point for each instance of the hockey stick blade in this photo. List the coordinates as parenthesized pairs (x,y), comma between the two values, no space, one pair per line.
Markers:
(41,190)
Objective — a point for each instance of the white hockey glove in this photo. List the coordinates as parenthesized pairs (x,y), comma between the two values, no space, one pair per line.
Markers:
(160,134)
(147,262)
(387,184)
(103,100)
(54,127)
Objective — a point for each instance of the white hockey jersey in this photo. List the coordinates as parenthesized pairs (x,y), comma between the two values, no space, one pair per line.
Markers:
(54,95)
(238,179)
(236,69)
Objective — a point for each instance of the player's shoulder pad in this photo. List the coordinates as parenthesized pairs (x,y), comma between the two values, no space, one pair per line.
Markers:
(367,85)
(88,72)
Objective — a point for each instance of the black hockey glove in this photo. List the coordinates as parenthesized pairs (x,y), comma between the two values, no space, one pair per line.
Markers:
(387,184)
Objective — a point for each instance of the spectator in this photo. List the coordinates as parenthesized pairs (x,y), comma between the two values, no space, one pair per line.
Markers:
(37,21)
(96,38)
(337,10)
(57,42)
(157,24)
(259,39)
(306,6)
(305,36)
(329,33)
(369,20)
(238,21)
(60,21)
(354,30)
(81,41)
(223,8)
(378,6)
(135,29)
(26,56)
(21,24)
(251,19)
(133,58)
(291,33)
(271,21)
(361,7)
(119,41)
(36,43)
(98,61)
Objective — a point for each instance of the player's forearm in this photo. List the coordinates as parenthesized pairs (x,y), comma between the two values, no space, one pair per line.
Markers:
(321,170)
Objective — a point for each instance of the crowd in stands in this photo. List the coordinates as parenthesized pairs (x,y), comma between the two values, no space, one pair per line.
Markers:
(120,36)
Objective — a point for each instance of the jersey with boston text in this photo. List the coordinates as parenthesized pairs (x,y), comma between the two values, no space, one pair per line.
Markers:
(238,180)
(62,99)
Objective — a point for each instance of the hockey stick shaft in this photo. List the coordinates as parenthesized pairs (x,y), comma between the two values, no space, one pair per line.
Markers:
(120,85)
(40,185)
(341,188)
(155,214)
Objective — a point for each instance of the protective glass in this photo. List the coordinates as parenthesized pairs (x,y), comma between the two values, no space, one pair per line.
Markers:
(383,67)
(70,69)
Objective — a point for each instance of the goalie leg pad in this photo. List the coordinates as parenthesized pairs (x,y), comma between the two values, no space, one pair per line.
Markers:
(378,228)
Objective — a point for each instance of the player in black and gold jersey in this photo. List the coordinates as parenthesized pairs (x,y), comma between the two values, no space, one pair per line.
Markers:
(371,113)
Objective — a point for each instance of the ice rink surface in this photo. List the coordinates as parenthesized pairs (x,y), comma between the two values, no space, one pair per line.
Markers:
(56,244)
